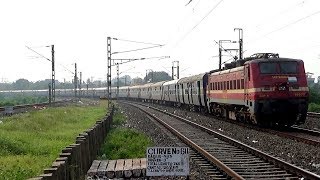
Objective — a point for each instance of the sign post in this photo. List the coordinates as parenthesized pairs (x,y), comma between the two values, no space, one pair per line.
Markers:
(167,161)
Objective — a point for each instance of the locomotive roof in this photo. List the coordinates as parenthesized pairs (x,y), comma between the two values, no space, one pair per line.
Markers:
(272,60)
(192,78)
(228,70)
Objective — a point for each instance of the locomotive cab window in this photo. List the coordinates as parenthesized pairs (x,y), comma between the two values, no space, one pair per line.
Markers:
(288,67)
(268,68)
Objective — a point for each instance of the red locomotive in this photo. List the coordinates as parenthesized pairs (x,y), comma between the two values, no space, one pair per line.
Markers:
(263,89)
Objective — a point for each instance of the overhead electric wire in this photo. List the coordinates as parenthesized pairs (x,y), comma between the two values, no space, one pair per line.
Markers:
(137,42)
(38,53)
(271,18)
(285,26)
(224,49)
(294,22)
(47,58)
(137,49)
(136,59)
(195,26)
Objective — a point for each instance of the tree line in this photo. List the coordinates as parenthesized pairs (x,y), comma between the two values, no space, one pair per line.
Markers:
(126,80)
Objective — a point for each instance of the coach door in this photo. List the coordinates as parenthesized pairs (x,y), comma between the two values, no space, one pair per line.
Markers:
(246,83)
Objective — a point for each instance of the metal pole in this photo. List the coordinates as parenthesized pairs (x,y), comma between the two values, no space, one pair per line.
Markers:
(53,86)
(50,93)
(109,69)
(177,69)
(80,83)
(172,74)
(117,79)
(240,42)
(75,80)
(220,58)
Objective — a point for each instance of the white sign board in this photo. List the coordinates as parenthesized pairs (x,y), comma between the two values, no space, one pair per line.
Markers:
(167,161)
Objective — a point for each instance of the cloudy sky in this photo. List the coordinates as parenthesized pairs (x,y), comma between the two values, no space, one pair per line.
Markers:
(79,31)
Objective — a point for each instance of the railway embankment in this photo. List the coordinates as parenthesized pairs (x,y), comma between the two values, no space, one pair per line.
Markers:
(56,142)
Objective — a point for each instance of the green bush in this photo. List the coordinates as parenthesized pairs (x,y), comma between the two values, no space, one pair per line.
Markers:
(19,99)
(313,107)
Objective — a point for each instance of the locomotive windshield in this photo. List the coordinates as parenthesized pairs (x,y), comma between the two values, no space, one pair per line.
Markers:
(288,67)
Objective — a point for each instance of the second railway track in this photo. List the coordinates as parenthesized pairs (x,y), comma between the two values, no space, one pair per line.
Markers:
(230,156)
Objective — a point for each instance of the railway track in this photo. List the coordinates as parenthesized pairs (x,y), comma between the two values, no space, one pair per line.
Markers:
(227,157)
(307,136)
(313,114)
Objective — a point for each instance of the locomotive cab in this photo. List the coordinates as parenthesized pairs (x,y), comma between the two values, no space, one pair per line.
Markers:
(277,90)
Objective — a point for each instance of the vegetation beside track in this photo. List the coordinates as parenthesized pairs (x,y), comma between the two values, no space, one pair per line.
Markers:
(30,142)
(20,99)
(314,100)
(122,142)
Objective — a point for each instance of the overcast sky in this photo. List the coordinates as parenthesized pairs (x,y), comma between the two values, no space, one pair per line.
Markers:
(79,31)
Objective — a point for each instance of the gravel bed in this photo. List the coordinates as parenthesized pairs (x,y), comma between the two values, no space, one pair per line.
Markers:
(311,123)
(159,135)
(298,153)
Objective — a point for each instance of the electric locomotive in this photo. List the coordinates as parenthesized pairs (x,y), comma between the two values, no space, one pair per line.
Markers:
(263,89)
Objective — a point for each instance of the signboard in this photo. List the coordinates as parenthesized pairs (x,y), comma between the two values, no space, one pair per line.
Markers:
(167,161)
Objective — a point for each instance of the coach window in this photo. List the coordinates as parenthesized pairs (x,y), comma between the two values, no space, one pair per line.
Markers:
(228,87)
(238,84)
(242,83)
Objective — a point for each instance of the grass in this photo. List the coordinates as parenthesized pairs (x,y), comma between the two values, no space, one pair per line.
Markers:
(31,141)
(124,143)
(313,107)
(18,100)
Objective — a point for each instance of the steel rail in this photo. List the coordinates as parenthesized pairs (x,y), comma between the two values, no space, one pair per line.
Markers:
(291,168)
(211,158)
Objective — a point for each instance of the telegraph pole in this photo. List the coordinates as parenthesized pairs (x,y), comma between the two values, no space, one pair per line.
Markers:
(53,85)
(75,80)
(109,69)
(240,42)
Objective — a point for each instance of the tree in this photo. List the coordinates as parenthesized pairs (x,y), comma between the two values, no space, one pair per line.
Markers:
(21,84)
(137,81)
(157,76)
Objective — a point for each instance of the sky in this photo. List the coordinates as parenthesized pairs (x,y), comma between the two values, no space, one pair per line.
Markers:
(79,29)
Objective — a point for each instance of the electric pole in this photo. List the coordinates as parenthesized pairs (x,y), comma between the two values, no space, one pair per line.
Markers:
(109,69)
(175,66)
(117,79)
(53,85)
(80,83)
(75,80)
(240,42)
(50,96)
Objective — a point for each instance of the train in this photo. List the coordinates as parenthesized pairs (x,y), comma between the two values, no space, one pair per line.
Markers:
(263,89)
